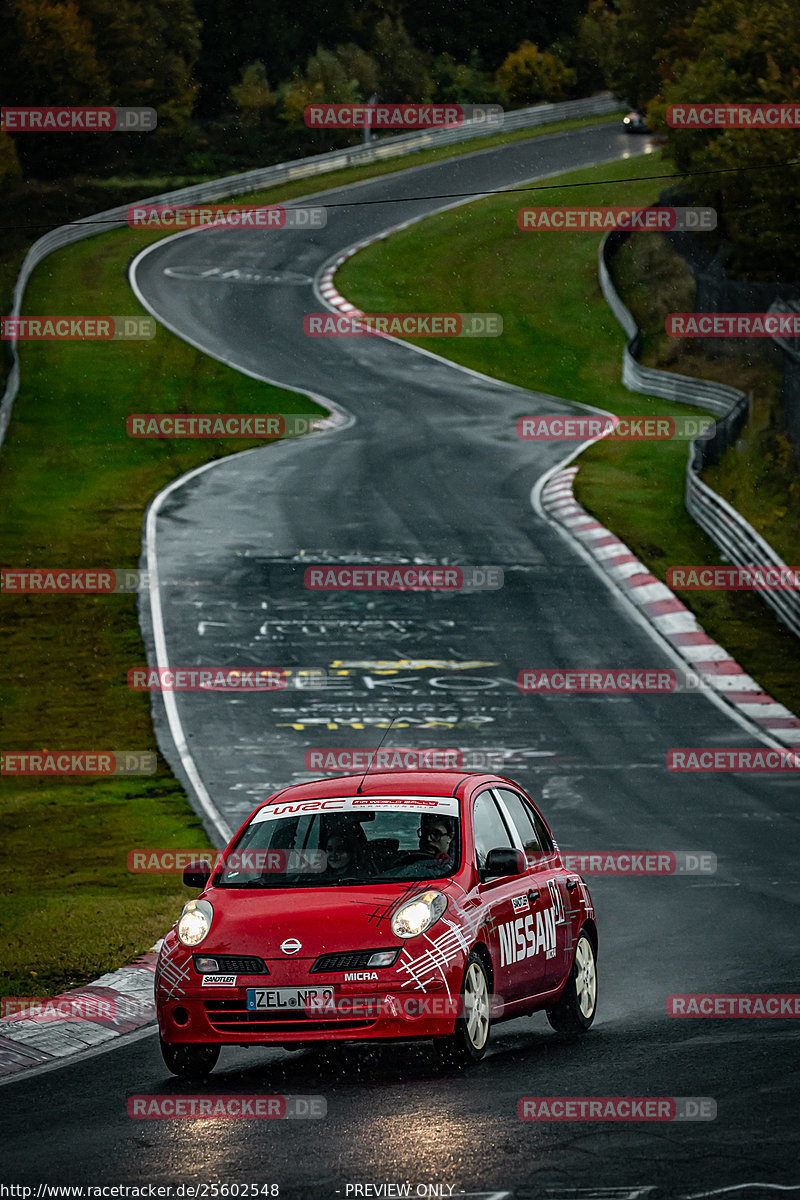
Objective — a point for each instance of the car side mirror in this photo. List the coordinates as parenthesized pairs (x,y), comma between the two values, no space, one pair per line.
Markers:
(504,861)
(197,874)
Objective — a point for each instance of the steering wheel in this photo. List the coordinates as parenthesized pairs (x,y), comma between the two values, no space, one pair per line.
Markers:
(416,863)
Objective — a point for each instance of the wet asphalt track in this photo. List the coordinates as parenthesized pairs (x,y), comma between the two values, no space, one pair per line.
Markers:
(431,468)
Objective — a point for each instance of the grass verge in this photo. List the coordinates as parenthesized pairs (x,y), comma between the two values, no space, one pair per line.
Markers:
(73,490)
(560,337)
(758,475)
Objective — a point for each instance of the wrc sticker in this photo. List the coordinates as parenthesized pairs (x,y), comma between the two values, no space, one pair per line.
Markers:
(558,902)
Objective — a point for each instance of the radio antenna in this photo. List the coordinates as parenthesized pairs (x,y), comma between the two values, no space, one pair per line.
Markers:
(375,751)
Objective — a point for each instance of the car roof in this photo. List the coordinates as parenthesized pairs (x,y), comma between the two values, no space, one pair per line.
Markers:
(382,783)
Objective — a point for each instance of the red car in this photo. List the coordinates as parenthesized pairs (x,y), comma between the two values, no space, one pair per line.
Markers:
(396,905)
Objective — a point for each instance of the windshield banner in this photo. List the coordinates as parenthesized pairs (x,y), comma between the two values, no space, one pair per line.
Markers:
(445,805)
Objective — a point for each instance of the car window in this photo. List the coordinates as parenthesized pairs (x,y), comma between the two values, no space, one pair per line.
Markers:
(379,844)
(490,828)
(527,823)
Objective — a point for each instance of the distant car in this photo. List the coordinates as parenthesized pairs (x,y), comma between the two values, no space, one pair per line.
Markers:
(634,122)
(396,906)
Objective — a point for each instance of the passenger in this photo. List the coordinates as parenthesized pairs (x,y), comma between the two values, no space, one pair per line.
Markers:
(347,854)
(341,853)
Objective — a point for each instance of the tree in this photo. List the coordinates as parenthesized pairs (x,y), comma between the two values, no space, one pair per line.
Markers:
(643,44)
(280,35)
(325,82)
(402,75)
(252,96)
(149,48)
(529,74)
(360,66)
(438,27)
(594,48)
(460,83)
(741,50)
(10,171)
(51,56)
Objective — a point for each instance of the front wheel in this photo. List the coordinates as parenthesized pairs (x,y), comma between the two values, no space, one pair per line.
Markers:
(467,1043)
(189,1062)
(574,1010)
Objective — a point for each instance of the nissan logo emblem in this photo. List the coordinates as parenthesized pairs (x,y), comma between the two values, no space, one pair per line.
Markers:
(291,946)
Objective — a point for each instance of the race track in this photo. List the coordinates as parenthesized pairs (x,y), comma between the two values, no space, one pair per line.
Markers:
(430,468)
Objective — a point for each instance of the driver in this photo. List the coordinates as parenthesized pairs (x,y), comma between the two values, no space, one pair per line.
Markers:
(436,837)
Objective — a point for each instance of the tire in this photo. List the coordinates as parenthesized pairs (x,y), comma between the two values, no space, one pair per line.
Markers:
(189,1062)
(468,1041)
(575,1008)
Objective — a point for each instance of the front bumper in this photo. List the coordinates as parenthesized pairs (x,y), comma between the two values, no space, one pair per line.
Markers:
(395,1006)
(224,1019)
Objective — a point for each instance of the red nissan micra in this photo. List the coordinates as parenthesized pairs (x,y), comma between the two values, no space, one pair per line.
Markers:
(397,905)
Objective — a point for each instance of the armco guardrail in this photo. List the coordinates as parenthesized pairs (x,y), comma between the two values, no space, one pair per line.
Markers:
(301,168)
(736,538)
(683,389)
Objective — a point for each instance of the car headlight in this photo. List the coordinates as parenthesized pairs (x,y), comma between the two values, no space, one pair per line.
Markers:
(418,914)
(194,922)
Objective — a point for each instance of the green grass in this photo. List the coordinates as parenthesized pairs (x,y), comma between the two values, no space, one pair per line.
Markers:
(560,337)
(73,490)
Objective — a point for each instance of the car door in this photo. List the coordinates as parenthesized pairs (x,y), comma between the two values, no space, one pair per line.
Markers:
(551,927)
(506,899)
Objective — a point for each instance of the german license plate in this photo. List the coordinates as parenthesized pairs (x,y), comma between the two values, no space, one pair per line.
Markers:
(288,999)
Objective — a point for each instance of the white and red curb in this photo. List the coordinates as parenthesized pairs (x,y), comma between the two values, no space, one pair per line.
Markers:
(664,611)
(329,293)
(27,1042)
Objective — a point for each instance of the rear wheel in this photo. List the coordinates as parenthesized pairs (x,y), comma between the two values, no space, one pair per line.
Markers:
(467,1043)
(189,1062)
(574,1010)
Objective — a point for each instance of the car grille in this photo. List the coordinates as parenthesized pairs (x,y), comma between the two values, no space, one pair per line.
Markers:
(349,961)
(238,964)
(228,1016)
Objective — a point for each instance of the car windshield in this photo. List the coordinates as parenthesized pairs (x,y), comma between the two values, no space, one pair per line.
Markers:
(345,841)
